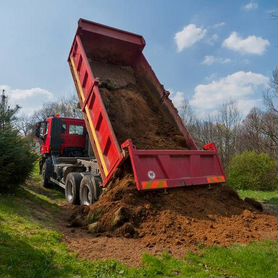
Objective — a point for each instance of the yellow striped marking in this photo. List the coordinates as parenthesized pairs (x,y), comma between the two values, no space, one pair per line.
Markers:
(156,184)
(216,179)
(89,119)
(161,184)
(148,185)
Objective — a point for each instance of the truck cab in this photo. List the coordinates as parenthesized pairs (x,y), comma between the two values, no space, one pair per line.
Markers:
(62,137)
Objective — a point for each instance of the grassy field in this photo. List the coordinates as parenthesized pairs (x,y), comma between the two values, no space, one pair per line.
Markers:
(31,246)
(268,197)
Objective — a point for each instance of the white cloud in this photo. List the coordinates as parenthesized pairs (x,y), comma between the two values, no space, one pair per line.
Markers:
(251,6)
(240,87)
(219,24)
(178,99)
(212,39)
(210,60)
(250,45)
(245,105)
(211,77)
(190,35)
(29,99)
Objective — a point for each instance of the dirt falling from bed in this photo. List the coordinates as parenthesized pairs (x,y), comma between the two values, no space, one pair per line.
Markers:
(135,110)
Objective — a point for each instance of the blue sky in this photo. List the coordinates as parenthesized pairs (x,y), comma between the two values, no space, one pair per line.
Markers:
(208,52)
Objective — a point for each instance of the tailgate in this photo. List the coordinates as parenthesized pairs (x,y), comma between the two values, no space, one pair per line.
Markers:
(154,169)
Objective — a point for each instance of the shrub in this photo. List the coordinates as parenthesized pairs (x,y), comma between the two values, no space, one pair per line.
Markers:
(16,160)
(251,170)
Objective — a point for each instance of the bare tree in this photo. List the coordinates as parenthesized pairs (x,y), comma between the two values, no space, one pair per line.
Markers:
(250,132)
(259,132)
(66,107)
(203,131)
(269,129)
(187,113)
(227,126)
(24,124)
(222,129)
(269,124)
(271,95)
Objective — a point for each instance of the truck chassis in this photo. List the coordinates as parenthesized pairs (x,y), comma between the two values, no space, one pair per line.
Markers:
(78,176)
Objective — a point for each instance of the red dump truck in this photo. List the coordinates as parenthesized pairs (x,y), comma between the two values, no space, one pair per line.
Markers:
(130,118)
(131,124)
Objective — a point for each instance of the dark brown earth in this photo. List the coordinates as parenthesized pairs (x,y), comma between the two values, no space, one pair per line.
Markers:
(125,223)
(136,112)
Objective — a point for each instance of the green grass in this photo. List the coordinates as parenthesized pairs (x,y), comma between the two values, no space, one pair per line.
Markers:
(269,197)
(31,246)
(36,177)
(254,260)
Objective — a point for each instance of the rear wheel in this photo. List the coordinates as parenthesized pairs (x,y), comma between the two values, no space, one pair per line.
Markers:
(46,172)
(72,186)
(90,189)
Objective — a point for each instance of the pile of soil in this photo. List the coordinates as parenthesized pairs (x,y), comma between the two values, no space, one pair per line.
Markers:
(135,110)
(177,219)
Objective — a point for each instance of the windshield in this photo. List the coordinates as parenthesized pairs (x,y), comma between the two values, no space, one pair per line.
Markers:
(76,130)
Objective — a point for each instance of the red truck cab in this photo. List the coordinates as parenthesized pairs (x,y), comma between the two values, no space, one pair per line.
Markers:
(64,153)
(62,136)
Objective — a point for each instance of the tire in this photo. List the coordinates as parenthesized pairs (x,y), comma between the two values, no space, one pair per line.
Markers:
(90,189)
(98,182)
(47,170)
(72,187)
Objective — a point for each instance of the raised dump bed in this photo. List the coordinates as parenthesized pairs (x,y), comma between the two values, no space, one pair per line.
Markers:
(128,113)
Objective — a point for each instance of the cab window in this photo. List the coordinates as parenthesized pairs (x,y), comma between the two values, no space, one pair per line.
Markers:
(43,129)
(76,130)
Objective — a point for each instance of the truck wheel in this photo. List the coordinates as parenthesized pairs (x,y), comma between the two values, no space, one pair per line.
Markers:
(46,172)
(90,190)
(98,181)
(72,186)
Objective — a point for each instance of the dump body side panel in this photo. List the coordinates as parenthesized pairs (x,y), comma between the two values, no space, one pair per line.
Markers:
(103,41)
(101,134)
